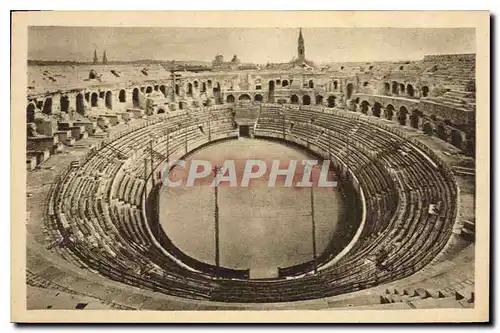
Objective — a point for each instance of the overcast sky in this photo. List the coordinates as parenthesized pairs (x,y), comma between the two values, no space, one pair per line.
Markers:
(257,45)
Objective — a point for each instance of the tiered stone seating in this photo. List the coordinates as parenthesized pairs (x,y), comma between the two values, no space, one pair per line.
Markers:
(97,211)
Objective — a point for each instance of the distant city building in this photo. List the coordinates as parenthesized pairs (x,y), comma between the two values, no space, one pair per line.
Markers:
(95,58)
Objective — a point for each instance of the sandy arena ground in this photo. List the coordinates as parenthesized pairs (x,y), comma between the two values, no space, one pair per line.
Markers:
(261,227)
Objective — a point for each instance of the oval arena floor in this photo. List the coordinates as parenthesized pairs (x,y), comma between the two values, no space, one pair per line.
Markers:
(261,228)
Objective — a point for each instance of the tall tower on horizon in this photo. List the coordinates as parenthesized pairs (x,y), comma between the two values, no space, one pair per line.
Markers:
(104,58)
(95,57)
(301,47)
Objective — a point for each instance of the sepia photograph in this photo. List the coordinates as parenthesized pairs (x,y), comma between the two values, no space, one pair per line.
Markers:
(331,164)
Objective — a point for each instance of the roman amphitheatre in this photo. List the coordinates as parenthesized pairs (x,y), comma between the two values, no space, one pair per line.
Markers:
(104,232)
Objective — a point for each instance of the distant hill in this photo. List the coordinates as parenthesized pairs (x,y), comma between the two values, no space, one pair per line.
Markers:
(164,63)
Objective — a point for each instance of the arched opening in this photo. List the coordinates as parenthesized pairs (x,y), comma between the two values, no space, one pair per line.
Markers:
(190,89)
(319,99)
(39,105)
(389,112)
(271,91)
(456,138)
(294,99)
(414,119)
(403,115)
(122,97)
(135,97)
(387,88)
(102,94)
(364,107)
(80,104)
(335,85)
(109,100)
(177,89)
(209,84)
(156,87)
(230,99)
(204,87)
(441,132)
(365,84)
(401,88)
(217,96)
(349,90)
(311,84)
(143,89)
(244,98)
(425,91)
(64,103)
(284,83)
(427,128)
(410,91)
(195,84)
(149,90)
(181,106)
(394,88)
(331,101)
(306,100)
(47,106)
(161,111)
(93,99)
(258,98)
(87,97)
(30,113)
(377,107)
(163,90)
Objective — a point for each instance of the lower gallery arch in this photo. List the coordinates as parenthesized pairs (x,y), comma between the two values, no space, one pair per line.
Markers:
(47,106)
(377,107)
(258,98)
(135,97)
(306,100)
(349,90)
(93,99)
(364,107)
(414,119)
(230,99)
(64,103)
(294,99)
(163,90)
(30,112)
(109,100)
(389,112)
(402,116)
(319,99)
(331,101)
(122,97)
(244,98)
(80,104)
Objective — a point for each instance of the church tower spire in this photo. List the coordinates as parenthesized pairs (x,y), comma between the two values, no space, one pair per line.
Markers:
(301,48)
(95,57)
(104,58)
